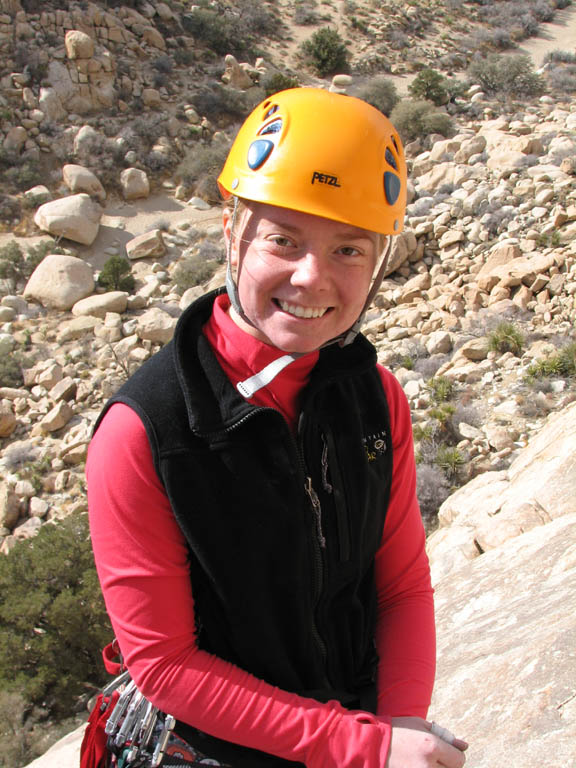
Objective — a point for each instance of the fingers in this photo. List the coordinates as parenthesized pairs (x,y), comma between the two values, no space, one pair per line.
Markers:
(447,736)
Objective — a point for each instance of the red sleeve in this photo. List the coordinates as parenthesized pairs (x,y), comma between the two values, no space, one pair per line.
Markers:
(141,559)
(405,634)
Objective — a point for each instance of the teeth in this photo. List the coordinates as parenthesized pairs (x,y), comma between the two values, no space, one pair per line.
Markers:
(305,312)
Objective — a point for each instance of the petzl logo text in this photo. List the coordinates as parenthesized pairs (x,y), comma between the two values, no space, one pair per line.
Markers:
(325,178)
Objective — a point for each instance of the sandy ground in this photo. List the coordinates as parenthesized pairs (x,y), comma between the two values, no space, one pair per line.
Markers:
(559,34)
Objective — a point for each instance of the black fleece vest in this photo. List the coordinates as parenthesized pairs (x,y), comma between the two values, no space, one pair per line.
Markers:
(282,530)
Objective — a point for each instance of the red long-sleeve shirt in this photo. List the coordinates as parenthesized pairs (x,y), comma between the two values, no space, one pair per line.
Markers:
(141,557)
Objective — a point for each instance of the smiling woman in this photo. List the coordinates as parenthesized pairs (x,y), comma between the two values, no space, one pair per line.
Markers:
(252,487)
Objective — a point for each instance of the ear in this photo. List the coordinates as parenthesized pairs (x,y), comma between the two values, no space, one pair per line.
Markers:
(227,228)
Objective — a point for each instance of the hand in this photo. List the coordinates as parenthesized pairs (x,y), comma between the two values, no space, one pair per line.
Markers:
(414,746)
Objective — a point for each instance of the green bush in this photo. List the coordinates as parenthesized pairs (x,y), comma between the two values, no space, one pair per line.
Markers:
(506,337)
(449,459)
(440,388)
(417,119)
(278,81)
(507,75)
(53,623)
(116,275)
(563,363)
(380,93)
(325,52)
(430,85)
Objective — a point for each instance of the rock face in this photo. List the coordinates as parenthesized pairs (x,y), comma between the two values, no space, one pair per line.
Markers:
(506,638)
(59,281)
(539,486)
(76,217)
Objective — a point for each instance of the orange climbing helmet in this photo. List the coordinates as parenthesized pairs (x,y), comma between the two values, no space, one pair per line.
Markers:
(322,153)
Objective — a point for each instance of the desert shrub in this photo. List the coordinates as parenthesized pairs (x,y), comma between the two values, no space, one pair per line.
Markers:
(219,101)
(193,271)
(256,18)
(14,739)
(18,173)
(278,81)
(200,168)
(508,75)
(416,119)
(11,371)
(563,363)
(164,64)
(440,388)
(432,490)
(430,85)
(506,337)
(219,31)
(449,459)
(116,275)
(563,78)
(325,52)
(562,57)
(52,615)
(305,13)
(17,266)
(380,93)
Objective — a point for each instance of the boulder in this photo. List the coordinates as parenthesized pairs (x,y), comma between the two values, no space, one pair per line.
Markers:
(101,303)
(15,139)
(147,245)
(76,217)
(59,281)
(156,325)
(134,183)
(506,663)
(80,179)
(7,420)
(78,45)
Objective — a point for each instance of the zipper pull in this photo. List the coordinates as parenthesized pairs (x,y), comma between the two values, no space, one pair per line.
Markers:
(315,501)
(325,482)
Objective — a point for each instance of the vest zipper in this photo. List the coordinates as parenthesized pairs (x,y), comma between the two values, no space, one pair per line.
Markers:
(318,541)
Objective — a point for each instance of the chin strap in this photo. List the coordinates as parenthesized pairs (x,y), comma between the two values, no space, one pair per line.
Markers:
(231,287)
(250,386)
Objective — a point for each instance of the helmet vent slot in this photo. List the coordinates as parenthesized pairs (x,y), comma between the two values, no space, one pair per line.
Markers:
(274,108)
(259,152)
(274,127)
(390,159)
(392,186)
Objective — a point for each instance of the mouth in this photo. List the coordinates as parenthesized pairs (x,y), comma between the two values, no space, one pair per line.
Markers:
(306,313)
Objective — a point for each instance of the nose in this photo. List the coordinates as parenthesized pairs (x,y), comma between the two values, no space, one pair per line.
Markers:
(310,271)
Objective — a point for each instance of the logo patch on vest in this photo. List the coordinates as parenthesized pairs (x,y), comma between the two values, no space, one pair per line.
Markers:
(375,445)
(325,178)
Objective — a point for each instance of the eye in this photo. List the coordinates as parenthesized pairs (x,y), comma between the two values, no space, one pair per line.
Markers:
(350,250)
(280,241)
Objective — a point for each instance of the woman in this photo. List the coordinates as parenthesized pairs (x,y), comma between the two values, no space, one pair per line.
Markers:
(252,487)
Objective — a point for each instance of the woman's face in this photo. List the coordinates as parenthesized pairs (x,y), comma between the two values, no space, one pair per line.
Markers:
(302,280)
